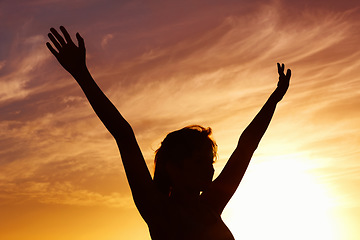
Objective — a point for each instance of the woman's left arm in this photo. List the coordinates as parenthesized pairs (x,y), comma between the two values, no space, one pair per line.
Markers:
(229,179)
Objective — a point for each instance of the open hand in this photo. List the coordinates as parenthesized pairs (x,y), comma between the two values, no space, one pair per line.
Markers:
(70,56)
(283,83)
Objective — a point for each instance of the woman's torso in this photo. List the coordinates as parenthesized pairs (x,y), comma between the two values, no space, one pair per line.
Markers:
(197,222)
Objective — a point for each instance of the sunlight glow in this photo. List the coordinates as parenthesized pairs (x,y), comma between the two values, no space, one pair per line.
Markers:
(280,199)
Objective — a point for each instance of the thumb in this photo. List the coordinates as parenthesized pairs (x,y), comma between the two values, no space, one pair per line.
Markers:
(288,74)
(80,41)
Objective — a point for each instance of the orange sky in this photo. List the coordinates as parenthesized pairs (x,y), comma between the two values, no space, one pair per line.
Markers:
(165,65)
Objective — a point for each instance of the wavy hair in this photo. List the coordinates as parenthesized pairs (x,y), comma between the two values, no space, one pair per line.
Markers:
(176,147)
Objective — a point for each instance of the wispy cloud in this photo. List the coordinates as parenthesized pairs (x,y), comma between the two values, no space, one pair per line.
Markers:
(62,193)
(19,69)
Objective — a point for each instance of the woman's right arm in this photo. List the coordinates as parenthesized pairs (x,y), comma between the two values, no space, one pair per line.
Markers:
(225,185)
(72,58)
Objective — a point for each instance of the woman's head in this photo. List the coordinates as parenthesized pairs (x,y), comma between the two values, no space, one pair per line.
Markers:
(192,143)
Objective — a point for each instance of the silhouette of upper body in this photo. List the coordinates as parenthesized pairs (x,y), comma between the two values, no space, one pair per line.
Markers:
(182,201)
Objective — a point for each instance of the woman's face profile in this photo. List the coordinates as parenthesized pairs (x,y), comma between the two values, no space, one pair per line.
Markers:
(199,170)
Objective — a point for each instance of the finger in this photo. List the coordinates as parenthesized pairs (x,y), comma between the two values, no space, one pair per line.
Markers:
(288,73)
(279,68)
(52,50)
(80,41)
(58,36)
(66,34)
(54,41)
(283,67)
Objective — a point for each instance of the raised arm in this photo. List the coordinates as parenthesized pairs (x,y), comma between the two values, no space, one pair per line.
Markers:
(229,179)
(72,58)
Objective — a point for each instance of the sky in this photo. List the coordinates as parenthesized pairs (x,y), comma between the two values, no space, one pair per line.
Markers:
(166,65)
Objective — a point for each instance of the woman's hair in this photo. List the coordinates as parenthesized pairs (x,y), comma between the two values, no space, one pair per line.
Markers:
(176,147)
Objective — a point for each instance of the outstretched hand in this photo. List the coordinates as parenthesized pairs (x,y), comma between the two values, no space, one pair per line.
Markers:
(283,83)
(70,56)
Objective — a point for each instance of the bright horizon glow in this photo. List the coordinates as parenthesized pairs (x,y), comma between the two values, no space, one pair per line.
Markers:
(287,202)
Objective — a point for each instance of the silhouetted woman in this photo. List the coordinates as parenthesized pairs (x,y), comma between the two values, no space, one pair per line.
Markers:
(181,202)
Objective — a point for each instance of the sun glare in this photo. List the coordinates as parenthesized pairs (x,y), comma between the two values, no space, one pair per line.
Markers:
(280,199)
